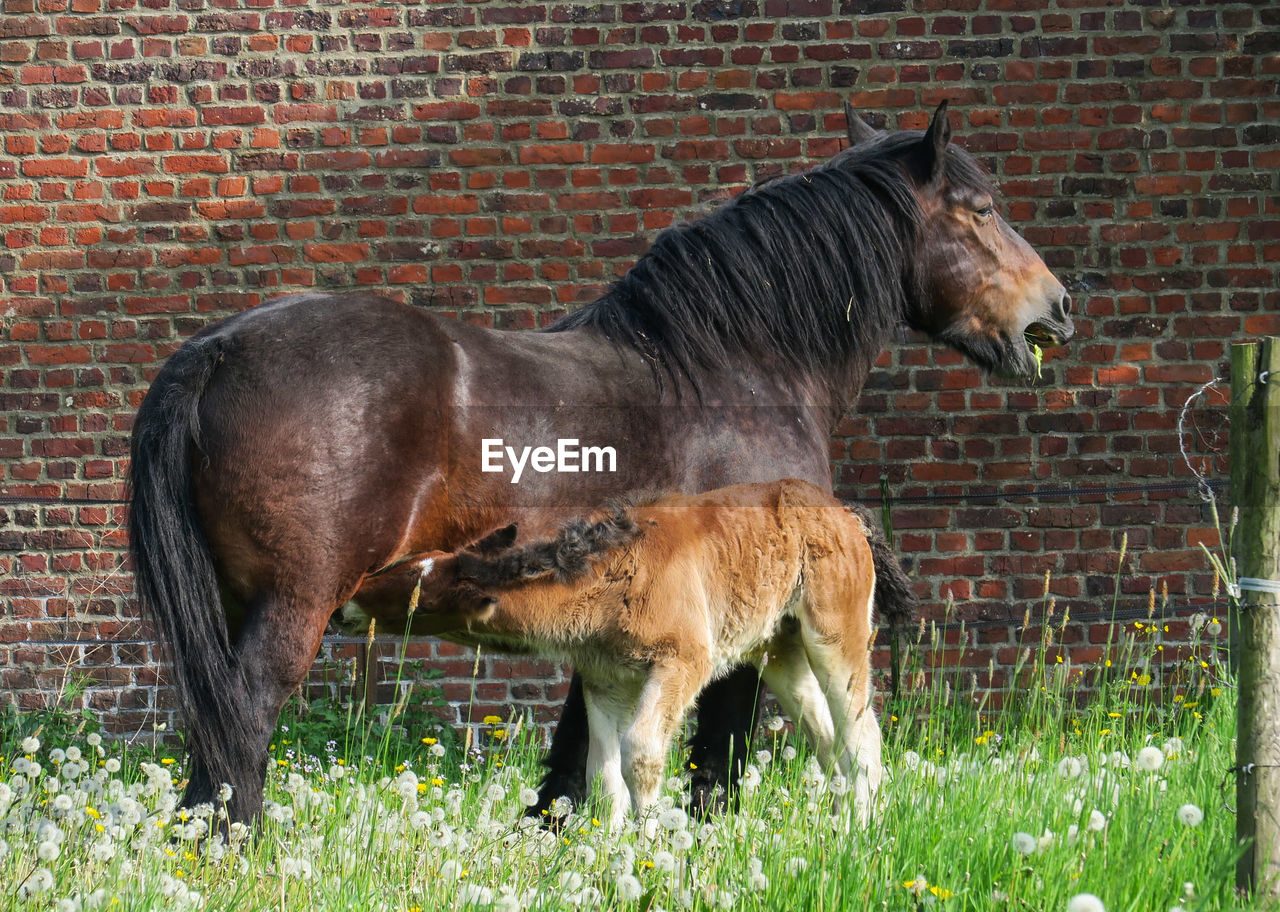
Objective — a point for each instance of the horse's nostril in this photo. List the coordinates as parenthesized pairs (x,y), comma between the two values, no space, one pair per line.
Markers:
(1065,303)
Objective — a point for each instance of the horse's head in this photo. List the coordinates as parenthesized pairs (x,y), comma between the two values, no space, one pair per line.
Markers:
(977,285)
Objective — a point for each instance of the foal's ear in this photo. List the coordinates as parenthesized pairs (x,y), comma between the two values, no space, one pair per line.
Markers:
(497,541)
(858,129)
(933,148)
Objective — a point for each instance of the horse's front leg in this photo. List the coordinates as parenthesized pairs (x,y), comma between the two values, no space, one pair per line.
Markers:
(566,759)
(669,690)
(727,712)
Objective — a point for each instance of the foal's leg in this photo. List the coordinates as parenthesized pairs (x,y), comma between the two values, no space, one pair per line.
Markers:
(843,671)
(608,712)
(792,681)
(670,689)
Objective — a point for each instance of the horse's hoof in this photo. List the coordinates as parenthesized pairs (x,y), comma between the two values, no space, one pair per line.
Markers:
(707,798)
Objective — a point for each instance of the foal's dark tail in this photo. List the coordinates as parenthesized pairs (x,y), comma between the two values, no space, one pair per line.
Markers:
(896,601)
(174,572)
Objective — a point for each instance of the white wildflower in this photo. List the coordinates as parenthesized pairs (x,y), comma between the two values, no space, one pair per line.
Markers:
(838,785)
(48,851)
(29,746)
(112,765)
(570,881)
(73,754)
(473,894)
(57,755)
(451,869)
(1070,767)
(758,881)
(628,887)
(93,739)
(673,819)
(436,750)
(67,904)
(682,840)
(1024,843)
(1045,841)
(1097,821)
(585,855)
(788,753)
(1190,815)
(1213,628)
(296,867)
(911,760)
(664,861)
(796,865)
(751,778)
(224,793)
(528,797)
(763,757)
(41,879)
(1173,747)
(1149,759)
(419,820)
(1085,902)
(774,723)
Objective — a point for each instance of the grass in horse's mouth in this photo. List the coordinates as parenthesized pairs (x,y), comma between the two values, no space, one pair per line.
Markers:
(1035,334)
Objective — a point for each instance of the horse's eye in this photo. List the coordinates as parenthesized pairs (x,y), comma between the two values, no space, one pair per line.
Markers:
(986,211)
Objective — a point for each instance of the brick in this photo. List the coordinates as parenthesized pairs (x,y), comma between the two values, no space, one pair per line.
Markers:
(503,163)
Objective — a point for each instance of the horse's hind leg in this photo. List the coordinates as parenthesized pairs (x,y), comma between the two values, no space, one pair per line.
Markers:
(277,644)
(792,681)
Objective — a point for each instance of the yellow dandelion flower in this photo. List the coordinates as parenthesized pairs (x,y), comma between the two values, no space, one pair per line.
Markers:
(499,733)
(429,741)
(1215,691)
(168,761)
(492,720)
(940,892)
(437,781)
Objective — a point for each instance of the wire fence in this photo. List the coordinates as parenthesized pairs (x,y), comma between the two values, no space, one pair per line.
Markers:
(1129,608)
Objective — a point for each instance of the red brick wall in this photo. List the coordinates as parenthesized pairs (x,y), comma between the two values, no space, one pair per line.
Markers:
(167,163)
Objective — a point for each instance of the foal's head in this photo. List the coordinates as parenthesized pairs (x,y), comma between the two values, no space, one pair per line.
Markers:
(978,286)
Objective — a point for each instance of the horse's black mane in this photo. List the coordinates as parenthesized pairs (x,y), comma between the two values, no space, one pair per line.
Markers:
(806,270)
(566,557)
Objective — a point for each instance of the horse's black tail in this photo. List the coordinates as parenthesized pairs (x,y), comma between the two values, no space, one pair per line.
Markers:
(174,573)
(896,601)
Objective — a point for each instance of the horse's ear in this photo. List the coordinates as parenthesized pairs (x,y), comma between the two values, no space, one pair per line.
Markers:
(497,541)
(933,148)
(858,129)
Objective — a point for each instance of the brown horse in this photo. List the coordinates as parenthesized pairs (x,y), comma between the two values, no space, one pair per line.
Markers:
(651,602)
(285,457)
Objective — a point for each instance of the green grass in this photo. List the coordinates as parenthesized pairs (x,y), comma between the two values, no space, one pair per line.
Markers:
(372,818)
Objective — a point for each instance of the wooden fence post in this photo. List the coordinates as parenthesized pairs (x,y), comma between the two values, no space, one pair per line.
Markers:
(1255,492)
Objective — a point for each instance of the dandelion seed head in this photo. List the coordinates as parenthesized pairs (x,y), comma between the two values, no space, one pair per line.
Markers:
(664,861)
(1190,815)
(1070,767)
(682,840)
(628,887)
(1097,821)
(30,745)
(1024,843)
(796,865)
(1085,902)
(1174,747)
(774,723)
(1149,759)
(495,792)
(788,753)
